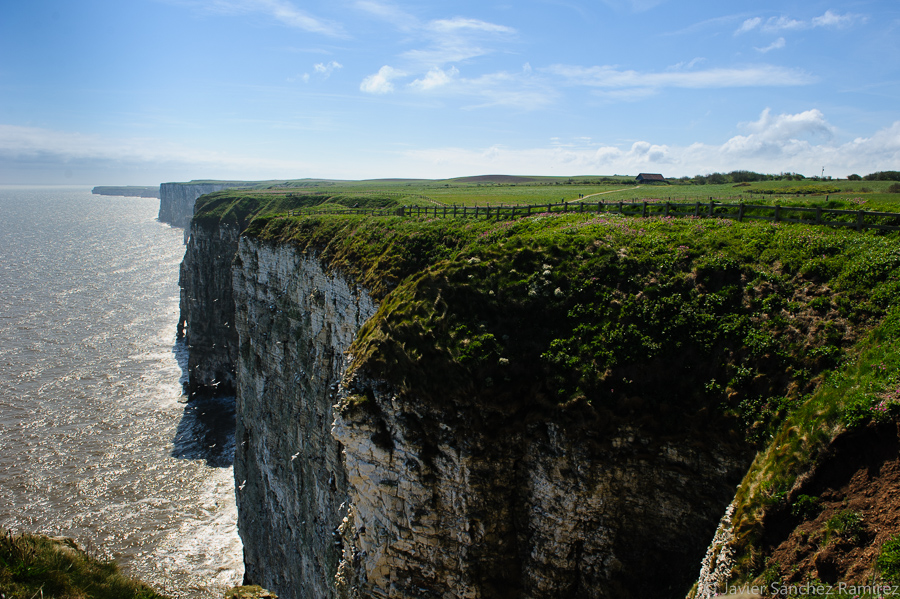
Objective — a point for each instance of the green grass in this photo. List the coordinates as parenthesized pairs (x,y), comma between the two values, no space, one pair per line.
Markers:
(870,195)
(888,562)
(773,336)
(36,566)
(613,295)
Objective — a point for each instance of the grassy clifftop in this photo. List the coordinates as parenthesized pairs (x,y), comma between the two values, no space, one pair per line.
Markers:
(773,337)
(656,317)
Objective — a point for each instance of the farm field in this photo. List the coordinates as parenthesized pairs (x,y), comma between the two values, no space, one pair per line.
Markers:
(494,190)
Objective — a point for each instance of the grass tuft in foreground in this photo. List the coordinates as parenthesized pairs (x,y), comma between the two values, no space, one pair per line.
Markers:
(39,566)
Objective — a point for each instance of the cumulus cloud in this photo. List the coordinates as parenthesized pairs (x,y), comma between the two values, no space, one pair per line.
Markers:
(801,142)
(435,78)
(380,82)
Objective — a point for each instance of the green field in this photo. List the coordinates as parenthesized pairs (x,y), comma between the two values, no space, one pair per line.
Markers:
(498,189)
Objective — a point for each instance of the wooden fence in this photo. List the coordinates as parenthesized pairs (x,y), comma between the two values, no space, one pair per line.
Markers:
(857,219)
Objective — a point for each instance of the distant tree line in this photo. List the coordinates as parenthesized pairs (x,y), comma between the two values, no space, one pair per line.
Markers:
(752,177)
(879,176)
(739,177)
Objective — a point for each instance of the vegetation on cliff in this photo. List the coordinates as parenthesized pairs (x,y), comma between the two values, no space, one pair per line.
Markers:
(658,318)
(39,566)
(756,335)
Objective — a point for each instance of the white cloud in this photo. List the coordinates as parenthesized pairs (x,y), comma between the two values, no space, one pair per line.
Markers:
(399,18)
(783,23)
(636,6)
(830,19)
(461,24)
(776,45)
(749,25)
(46,150)
(519,90)
(380,82)
(326,69)
(789,126)
(455,40)
(612,78)
(282,10)
(786,142)
(435,78)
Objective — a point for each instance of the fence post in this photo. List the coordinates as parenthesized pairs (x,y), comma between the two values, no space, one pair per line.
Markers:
(476,210)
(454,210)
(777,213)
(697,209)
(565,206)
(667,208)
(859,220)
(644,208)
(741,212)
(529,210)
(581,207)
(620,207)
(711,205)
(818,215)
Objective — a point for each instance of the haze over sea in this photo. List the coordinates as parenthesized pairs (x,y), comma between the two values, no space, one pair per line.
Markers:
(95,440)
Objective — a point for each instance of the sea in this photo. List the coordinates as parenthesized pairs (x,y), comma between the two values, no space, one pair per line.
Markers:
(97,441)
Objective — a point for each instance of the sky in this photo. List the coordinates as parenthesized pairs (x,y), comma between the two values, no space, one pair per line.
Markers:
(112,92)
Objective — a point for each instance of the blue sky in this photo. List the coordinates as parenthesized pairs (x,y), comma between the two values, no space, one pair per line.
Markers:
(146,91)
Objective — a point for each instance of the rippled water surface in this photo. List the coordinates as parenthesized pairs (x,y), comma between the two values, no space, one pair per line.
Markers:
(95,442)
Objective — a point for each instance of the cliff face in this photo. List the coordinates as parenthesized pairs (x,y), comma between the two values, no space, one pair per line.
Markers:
(176,200)
(353,490)
(554,407)
(294,321)
(207,308)
(477,509)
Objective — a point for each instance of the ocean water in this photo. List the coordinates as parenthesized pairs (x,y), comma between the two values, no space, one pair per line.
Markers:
(96,442)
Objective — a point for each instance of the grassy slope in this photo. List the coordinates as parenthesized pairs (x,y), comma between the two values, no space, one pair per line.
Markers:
(871,195)
(35,565)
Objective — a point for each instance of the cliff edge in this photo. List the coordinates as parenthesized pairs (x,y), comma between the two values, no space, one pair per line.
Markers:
(552,406)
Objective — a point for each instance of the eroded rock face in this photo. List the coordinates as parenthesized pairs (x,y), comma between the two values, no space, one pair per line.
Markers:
(176,201)
(346,488)
(533,511)
(295,322)
(207,309)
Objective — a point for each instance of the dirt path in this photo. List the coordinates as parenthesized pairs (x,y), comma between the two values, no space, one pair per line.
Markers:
(600,193)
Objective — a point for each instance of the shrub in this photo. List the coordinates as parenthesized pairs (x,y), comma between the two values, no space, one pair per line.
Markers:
(806,507)
(847,525)
(888,562)
(894,188)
